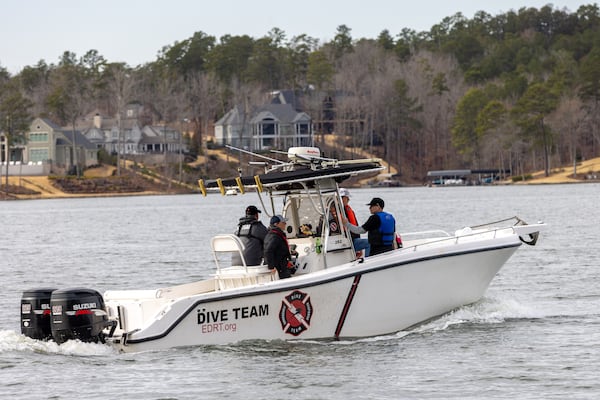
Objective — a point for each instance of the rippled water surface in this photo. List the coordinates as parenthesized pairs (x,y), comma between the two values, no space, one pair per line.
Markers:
(536,333)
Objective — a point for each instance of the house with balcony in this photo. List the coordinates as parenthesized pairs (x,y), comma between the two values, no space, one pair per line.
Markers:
(271,126)
(126,136)
(111,134)
(161,139)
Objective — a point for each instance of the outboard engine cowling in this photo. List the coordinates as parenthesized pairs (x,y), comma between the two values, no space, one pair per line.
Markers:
(78,314)
(35,313)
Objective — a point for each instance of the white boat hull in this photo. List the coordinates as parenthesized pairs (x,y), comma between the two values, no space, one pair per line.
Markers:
(384,294)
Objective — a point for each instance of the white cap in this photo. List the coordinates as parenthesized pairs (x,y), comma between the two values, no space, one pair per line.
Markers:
(344,192)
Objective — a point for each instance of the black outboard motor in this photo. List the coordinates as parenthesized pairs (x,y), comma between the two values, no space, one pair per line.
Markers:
(35,313)
(78,314)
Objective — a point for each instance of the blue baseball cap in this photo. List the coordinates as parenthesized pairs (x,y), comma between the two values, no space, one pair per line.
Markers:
(275,219)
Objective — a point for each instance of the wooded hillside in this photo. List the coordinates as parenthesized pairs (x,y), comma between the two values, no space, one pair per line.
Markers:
(518,90)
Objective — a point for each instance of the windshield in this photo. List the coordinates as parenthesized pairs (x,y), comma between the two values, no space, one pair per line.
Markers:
(306,214)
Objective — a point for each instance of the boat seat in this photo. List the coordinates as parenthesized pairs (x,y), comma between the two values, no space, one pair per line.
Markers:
(236,276)
(227,243)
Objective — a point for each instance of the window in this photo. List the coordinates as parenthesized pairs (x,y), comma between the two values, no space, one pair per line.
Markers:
(303,129)
(38,137)
(267,128)
(36,155)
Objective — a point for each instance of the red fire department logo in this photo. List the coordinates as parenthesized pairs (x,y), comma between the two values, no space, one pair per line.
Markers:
(333,226)
(296,311)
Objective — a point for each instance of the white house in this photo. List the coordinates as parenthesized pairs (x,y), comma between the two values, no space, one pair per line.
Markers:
(272,126)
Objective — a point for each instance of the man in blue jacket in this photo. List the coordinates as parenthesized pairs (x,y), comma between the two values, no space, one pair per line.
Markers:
(381,228)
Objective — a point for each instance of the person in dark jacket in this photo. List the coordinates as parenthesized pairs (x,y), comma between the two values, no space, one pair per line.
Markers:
(381,227)
(252,233)
(277,251)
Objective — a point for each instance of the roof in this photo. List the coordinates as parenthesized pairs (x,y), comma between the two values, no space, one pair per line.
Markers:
(465,172)
(231,117)
(286,96)
(284,113)
(146,139)
(158,130)
(80,139)
(51,124)
(450,172)
(95,134)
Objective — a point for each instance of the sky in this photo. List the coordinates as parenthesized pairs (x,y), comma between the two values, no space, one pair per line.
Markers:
(134,31)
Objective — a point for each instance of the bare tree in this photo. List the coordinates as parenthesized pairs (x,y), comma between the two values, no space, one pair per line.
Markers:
(354,92)
(120,84)
(568,121)
(36,85)
(71,99)
(436,81)
(201,90)
(244,96)
(14,118)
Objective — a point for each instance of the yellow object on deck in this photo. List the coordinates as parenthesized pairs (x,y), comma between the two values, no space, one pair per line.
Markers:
(221,187)
(259,185)
(202,187)
(238,180)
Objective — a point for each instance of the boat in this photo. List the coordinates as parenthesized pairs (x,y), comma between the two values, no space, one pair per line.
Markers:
(334,294)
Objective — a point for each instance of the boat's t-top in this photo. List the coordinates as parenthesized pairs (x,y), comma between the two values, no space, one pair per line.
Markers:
(304,189)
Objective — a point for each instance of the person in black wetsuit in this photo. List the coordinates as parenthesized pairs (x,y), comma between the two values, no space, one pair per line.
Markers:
(252,233)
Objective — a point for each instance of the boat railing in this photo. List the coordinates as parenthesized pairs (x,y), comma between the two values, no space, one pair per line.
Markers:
(424,238)
(426,233)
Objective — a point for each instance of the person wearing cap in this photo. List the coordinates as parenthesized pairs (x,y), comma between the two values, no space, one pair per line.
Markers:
(252,233)
(358,242)
(332,220)
(381,227)
(277,250)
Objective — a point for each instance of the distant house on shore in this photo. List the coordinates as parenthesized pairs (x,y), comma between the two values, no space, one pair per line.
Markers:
(52,146)
(271,126)
(59,147)
(104,133)
(127,136)
(160,139)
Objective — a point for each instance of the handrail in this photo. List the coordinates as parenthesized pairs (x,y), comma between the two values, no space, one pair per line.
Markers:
(454,238)
(404,234)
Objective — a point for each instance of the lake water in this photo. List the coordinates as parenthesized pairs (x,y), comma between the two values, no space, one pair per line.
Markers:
(535,335)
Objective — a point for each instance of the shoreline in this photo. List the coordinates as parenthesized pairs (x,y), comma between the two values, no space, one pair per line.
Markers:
(46,190)
(57,194)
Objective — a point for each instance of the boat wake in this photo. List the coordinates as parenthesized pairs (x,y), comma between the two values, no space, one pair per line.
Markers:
(489,310)
(11,341)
